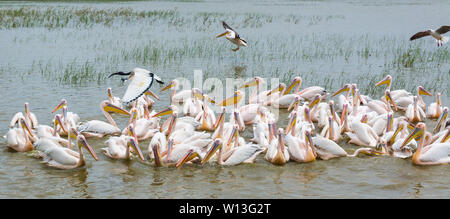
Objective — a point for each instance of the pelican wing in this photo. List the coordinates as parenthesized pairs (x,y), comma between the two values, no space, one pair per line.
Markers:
(97,126)
(419,35)
(138,86)
(241,154)
(225,25)
(443,29)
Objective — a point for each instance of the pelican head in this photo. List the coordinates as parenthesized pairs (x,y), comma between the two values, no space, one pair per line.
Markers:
(191,154)
(292,122)
(388,97)
(387,80)
(81,139)
(422,91)
(418,131)
(107,106)
(346,87)
(279,88)
(173,84)
(134,144)
(58,121)
(25,126)
(167,111)
(216,145)
(60,105)
(254,82)
(314,101)
(441,120)
(296,82)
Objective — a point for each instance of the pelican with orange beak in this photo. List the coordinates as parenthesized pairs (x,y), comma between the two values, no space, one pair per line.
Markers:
(428,154)
(232,36)
(97,128)
(29,117)
(64,158)
(21,138)
(120,147)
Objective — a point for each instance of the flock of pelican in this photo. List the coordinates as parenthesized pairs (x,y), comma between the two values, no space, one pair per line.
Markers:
(193,133)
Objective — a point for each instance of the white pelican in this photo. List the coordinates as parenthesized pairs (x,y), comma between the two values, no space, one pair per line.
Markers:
(190,153)
(276,152)
(96,128)
(141,82)
(20,138)
(440,124)
(435,109)
(233,157)
(395,93)
(344,99)
(144,127)
(332,130)
(113,99)
(403,102)
(362,134)
(235,100)
(119,147)
(284,99)
(232,36)
(327,149)
(300,150)
(64,158)
(206,116)
(437,153)
(70,119)
(436,34)
(179,97)
(29,117)
(310,92)
(414,113)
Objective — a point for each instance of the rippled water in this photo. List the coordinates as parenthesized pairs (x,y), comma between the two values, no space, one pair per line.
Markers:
(327,43)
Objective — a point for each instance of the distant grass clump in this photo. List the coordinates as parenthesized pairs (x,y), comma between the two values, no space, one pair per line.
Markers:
(53,17)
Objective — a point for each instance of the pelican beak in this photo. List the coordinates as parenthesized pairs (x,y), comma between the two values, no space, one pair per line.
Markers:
(308,139)
(132,133)
(171,84)
(314,101)
(344,113)
(389,122)
(417,132)
(236,98)
(292,85)
(422,91)
(331,128)
(26,127)
(84,143)
(146,112)
(59,122)
(442,118)
(134,144)
(221,118)
(386,80)
(446,137)
(294,104)
(74,133)
(399,128)
(251,83)
(345,88)
(281,140)
(307,116)
(233,135)
(172,124)
(292,122)
(164,112)
(155,149)
(216,145)
(133,115)
(388,97)
(222,34)
(191,154)
(169,148)
(277,89)
(60,105)
(438,101)
(108,107)
(149,92)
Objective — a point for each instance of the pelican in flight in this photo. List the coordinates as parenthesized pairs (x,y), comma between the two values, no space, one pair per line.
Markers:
(232,36)
(436,34)
(141,81)
(428,154)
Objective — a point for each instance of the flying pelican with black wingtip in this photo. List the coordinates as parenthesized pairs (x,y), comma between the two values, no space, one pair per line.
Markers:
(436,34)
(232,36)
(141,82)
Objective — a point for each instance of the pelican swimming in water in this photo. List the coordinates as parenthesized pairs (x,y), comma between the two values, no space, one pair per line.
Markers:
(327,149)
(119,147)
(177,97)
(436,34)
(141,81)
(64,158)
(235,156)
(435,109)
(428,154)
(232,36)
(97,128)
(29,117)
(21,138)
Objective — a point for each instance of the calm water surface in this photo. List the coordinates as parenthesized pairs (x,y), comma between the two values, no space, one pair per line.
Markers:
(279,46)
